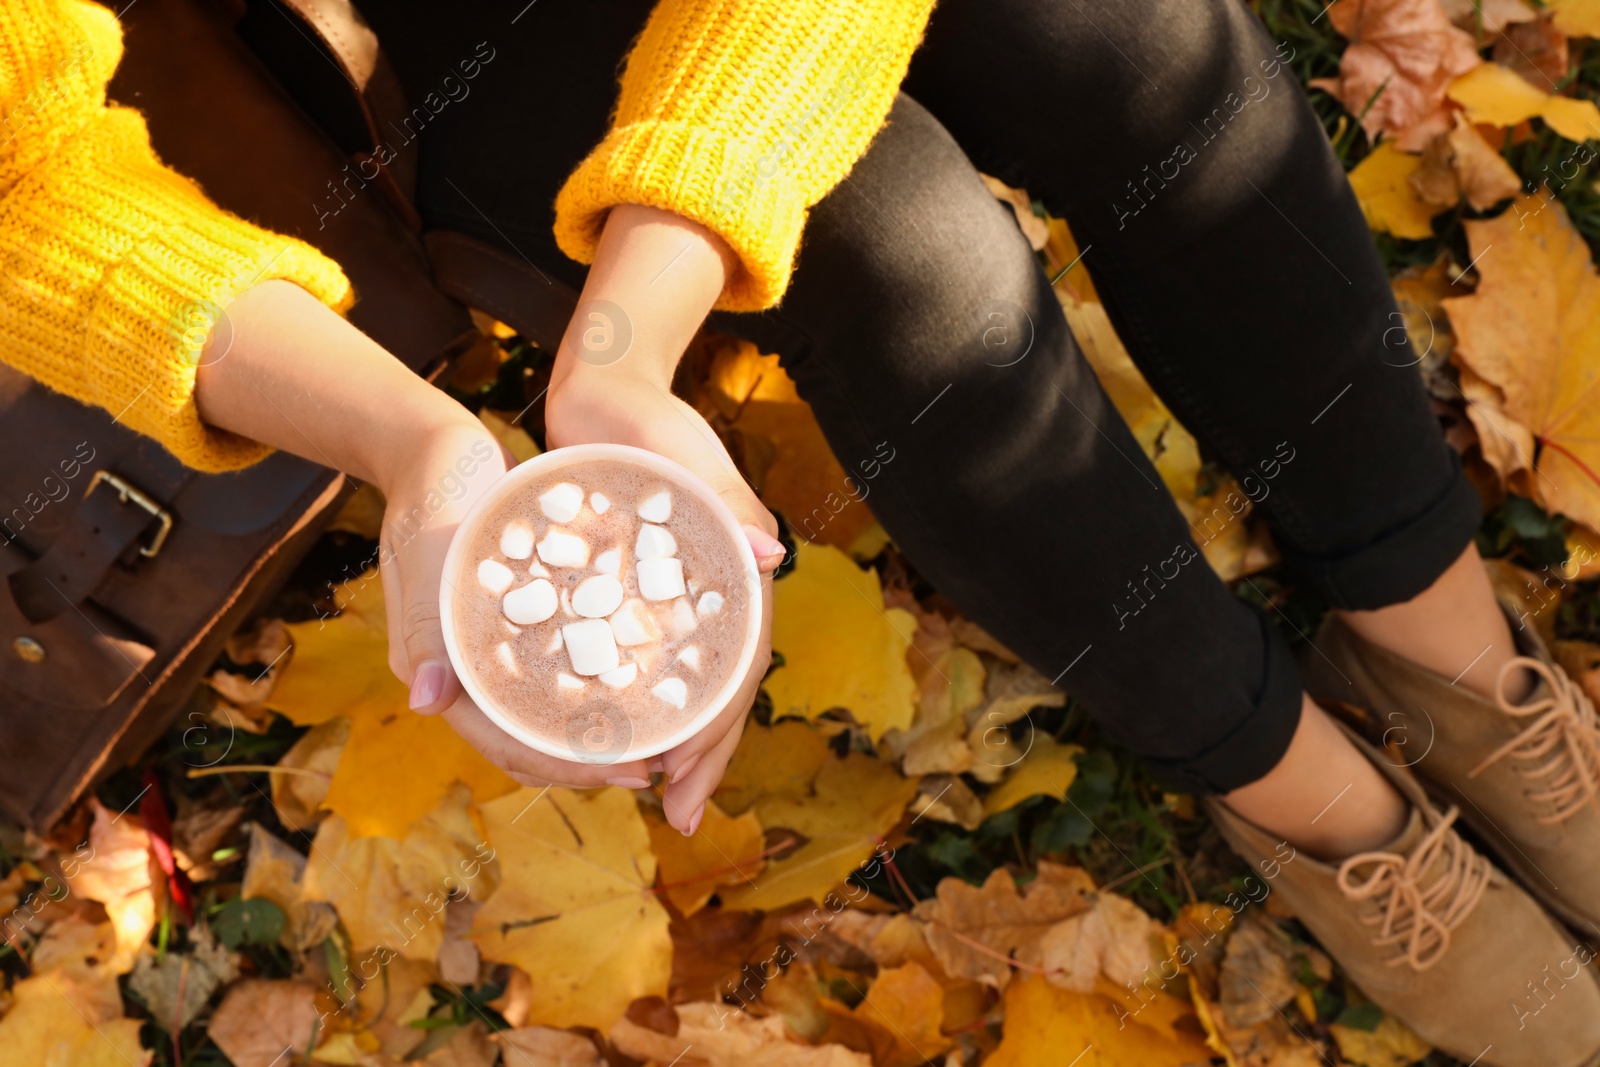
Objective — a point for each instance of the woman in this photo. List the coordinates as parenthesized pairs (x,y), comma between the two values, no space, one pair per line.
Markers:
(1236,266)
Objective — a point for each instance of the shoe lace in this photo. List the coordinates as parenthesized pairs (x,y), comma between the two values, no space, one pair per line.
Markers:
(1419,916)
(1561,745)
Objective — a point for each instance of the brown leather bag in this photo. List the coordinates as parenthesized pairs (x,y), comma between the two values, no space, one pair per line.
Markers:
(124,572)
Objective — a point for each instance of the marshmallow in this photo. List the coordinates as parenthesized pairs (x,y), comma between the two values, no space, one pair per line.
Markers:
(568,683)
(560,503)
(655,542)
(555,644)
(507,658)
(495,576)
(633,624)
(660,579)
(562,549)
(710,604)
(683,619)
(672,690)
(590,647)
(514,631)
(622,677)
(609,561)
(534,602)
(690,657)
(599,502)
(536,570)
(597,597)
(656,507)
(516,540)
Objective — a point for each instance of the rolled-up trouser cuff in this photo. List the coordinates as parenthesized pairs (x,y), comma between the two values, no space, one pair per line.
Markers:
(1255,745)
(1401,562)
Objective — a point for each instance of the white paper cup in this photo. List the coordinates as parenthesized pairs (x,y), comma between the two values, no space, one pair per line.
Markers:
(600,731)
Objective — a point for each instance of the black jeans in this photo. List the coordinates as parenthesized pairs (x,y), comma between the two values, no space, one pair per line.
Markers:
(1225,243)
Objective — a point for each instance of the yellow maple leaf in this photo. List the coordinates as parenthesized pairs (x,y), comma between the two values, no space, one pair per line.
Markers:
(1497,96)
(47,1025)
(391,893)
(1389,1044)
(724,851)
(1528,340)
(1047,1024)
(1382,184)
(905,1006)
(575,908)
(1578,18)
(397,764)
(772,761)
(853,803)
(1047,769)
(841,648)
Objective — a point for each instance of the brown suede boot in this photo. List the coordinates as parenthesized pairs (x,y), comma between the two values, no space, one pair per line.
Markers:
(1440,938)
(1525,775)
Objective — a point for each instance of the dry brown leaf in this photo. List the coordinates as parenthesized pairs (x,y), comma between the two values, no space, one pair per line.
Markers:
(1537,51)
(1001,921)
(459,960)
(1530,338)
(716,1035)
(1255,981)
(948,798)
(1495,15)
(183,982)
(263,1022)
(1581,660)
(198,832)
(297,797)
(1460,165)
(468,1046)
(1418,292)
(388,1004)
(1400,60)
(1034,227)
(273,871)
(540,1046)
(1010,692)
(1114,938)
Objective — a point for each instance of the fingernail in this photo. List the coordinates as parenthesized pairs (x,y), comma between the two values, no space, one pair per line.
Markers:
(688,765)
(426,684)
(694,820)
(763,544)
(630,783)
(656,765)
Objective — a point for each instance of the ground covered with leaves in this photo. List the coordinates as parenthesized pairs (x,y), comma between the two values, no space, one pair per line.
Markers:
(923,852)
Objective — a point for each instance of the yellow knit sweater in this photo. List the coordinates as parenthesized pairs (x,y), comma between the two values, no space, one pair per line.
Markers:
(738,114)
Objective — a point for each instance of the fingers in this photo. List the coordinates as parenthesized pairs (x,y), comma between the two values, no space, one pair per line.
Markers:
(684,800)
(531,767)
(415,621)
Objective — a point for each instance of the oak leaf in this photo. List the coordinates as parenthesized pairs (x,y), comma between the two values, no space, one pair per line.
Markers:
(841,648)
(1495,96)
(575,908)
(853,804)
(1113,938)
(1047,1024)
(397,764)
(974,931)
(726,850)
(1400,60)
(1528,342)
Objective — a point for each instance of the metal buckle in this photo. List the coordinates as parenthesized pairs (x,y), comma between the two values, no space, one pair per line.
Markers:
(126,492)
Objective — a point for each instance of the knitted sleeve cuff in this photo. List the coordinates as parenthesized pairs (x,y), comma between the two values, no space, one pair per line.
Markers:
(121,271)
(737,190)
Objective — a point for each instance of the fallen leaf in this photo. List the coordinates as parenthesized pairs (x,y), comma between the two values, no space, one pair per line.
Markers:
(1391,1044)
(392,894)
(1394,73)
(397,764)
(575,909)
(1034,227)
(1462,165)
(950,684)
(297,797)
(458,959)
(1495,96)
(1010,692)
(1579,18)
(716,1035)
(1048,1024)
(841,648)
(199,832)
(391,1001)
(262,1022)
(542,1046)
(273,871)
(948,798)
(512,438)
(47,1026)
(1537,51)
(467,1046)
(710,951)
(1418,292)
(1491,16)
(1531,334)
(1386,185)
(192,976)
(854,803)
(726,850)
(1254,981)
(1112,938)
(1048,768)
(974,931)
(902,1012)
(264,643)
(116,871)
(780,760)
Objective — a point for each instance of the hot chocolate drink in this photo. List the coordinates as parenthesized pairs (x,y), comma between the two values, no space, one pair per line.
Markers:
(599,601)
